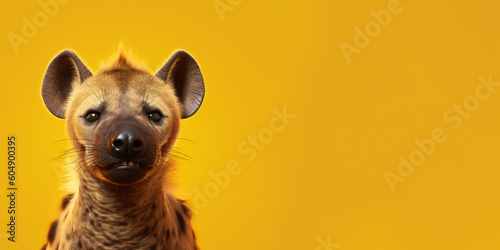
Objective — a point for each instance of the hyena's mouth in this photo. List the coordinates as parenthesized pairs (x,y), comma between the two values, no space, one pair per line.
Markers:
(124,173)
(130,163)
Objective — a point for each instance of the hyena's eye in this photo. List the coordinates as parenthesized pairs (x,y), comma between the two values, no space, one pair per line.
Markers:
(92,116)
(155,116)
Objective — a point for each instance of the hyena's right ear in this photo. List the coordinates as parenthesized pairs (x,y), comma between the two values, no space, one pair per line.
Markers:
(63,73)
(184,74)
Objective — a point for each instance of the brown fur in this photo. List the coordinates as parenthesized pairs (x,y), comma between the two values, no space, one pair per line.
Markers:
(103,215)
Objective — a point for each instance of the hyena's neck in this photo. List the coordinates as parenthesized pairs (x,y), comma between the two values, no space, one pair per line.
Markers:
(137,202)
(103,216)
(132,217)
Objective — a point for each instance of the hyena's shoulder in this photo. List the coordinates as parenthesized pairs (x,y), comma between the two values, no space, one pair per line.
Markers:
(182,212)
(55,224)
(182,223)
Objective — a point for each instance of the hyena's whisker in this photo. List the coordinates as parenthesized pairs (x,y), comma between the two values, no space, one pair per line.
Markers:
(184,139)
(153,97)
(63,155)
(179,157)
(102,100)
(103,92)
(73,150)
(71,140)
(175,152)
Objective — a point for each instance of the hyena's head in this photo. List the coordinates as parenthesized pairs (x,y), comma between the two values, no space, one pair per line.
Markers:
(122,121)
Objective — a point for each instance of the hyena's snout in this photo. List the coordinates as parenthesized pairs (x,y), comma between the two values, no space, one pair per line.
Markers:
(129,153)
(127,142)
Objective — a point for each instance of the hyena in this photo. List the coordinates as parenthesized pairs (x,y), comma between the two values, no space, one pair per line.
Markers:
(122,123)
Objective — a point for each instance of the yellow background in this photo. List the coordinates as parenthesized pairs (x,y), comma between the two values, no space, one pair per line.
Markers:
(322,177)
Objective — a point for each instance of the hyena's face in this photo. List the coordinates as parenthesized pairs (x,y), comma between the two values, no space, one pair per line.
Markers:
(123,120)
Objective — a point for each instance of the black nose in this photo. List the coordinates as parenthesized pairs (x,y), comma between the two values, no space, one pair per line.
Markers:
(127,143)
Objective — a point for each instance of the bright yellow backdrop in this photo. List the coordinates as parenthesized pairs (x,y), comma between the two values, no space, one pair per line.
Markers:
(319,179)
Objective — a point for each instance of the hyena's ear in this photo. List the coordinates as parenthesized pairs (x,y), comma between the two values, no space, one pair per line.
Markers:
(64,71)
(184,73)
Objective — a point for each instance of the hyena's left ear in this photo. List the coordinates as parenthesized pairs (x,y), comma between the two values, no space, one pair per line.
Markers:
(63,73)
(184,73)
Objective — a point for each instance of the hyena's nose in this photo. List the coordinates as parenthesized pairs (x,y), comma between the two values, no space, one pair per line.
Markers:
(127,143)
